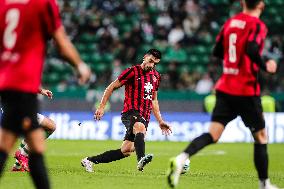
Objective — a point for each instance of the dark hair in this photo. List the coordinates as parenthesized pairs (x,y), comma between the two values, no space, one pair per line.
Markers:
(156,53)
(251,4)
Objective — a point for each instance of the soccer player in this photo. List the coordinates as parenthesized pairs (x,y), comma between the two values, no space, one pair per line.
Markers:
(239,44)
(49,126)
(141,87)
(25,27)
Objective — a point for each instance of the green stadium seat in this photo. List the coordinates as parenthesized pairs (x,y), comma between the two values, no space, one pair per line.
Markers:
(95,58)
(53,78)
(161,68)
(107,58)
(81,47)
(90,48)
(86,57)
(99,68)
(193,59)
(178,55)
(88,38)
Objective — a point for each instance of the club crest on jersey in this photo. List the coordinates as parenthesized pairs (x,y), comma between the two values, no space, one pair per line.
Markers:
(148,91)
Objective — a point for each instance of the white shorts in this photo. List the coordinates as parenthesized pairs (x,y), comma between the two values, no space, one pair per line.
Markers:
(40,118)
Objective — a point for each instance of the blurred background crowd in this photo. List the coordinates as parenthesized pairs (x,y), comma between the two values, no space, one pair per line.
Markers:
(114,34)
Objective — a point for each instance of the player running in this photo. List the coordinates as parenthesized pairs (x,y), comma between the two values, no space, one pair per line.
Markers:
(25,28)
(239,44)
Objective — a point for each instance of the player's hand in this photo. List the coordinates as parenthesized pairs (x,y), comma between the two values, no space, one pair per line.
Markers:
(47,93)
(84,73)
(99,113)
(271,66)
(166,129)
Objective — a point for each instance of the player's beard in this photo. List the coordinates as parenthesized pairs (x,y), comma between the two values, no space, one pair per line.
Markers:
(148,69)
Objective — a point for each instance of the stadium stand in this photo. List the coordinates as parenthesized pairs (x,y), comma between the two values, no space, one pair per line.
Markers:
(184,30)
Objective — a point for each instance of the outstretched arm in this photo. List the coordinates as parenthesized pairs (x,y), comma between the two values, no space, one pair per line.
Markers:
(108,91)
(166,129)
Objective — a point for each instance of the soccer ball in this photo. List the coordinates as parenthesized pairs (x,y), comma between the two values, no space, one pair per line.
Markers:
(186,167)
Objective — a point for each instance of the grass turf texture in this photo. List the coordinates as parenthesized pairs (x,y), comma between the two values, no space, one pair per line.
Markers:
(220,166)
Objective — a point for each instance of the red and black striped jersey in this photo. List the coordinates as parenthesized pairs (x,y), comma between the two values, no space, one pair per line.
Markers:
(239,71)
(139,89)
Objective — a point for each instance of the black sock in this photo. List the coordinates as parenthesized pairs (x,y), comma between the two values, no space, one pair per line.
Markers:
(261,160)
(38,171)
(199,143)
(107,156)
(3,158)
(139,144)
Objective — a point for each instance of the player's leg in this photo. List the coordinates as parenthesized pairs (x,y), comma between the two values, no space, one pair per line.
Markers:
(47,124)
(139,130)
(21,155)
(252,116)
(7,141)
(222,114)
(36,141)
(126,149)
(176,163)
(261,159)
(10,124)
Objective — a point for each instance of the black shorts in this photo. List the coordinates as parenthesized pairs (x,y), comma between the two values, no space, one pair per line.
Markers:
(228,107)
(129,119)
(20,112)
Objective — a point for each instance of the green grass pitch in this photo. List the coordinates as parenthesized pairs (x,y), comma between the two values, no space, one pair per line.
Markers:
(220,166)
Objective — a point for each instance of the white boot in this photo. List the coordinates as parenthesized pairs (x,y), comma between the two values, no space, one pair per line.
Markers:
(87,164)
(266,185)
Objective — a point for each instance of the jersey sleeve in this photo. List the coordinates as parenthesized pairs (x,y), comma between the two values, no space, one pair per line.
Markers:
(158,77)
(218,50)
(255,44)
(51,17)
(257,33)
(126,75)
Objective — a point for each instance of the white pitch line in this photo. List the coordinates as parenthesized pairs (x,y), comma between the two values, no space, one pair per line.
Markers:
(209,153)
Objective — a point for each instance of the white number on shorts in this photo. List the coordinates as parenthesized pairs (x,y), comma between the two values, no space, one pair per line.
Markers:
(232,47)
(12,21)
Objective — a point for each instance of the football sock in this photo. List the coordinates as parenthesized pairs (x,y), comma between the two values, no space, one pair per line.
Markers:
(3,158)
(108,156)
(38,171)
(199,143)
(261,160)
(24,148)
(47,134)
(17,165)
(182,157)
(139,144)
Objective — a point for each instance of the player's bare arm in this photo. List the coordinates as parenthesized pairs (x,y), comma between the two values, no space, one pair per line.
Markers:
(166,129)
(107,93)
(46,92)
(69,52)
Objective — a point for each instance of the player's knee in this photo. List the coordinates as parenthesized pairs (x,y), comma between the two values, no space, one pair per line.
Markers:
(48,125)
(260,137)
(52,125)
(215,139)
(139,128)
(127,152)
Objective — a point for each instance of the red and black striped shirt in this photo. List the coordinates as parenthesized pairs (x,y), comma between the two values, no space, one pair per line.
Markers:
(139,89)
